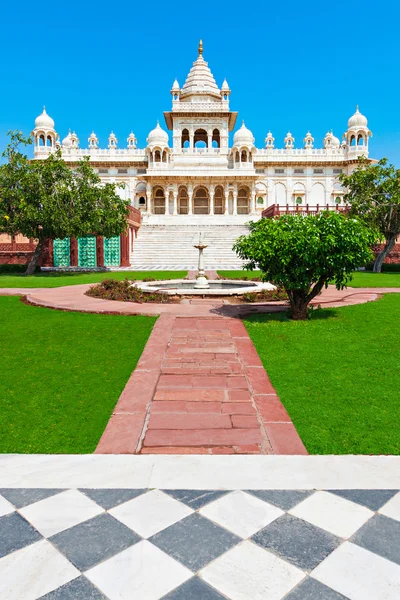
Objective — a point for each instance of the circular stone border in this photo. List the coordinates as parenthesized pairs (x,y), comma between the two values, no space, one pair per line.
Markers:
(253,287)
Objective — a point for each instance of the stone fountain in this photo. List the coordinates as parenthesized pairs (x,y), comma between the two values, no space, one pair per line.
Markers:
(201,279)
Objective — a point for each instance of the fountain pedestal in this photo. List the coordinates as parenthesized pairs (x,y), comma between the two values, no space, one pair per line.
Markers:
(201,280)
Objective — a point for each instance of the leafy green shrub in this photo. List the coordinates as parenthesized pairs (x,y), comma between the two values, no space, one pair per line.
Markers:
(303,253)
(124,291)
(16,269)
(266,295)
(386,268)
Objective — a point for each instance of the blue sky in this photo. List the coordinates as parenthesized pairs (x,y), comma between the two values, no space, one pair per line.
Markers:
(291,66)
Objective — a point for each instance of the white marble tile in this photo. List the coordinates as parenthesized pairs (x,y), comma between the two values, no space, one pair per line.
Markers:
(247,572)
(332,513)
(359,574)
(34,571)
(200,472)
(392,508)
(142,571)
(150,513)
(276,472)
(75,471)
(5,506)
(60,512)
(241,513)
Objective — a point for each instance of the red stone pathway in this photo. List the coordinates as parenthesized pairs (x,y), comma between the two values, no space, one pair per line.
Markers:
(200,388)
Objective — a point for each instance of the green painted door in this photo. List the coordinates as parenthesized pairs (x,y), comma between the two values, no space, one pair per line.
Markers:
(112,252)
(87,251)
(61,249)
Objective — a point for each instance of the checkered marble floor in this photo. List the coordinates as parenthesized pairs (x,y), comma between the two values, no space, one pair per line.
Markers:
(152,544)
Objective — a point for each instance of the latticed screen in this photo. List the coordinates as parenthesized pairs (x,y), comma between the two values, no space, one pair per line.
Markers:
(200,202)
(87,251)
(219,202)
(183,202)
(62,256)
(243,202)
(112,252)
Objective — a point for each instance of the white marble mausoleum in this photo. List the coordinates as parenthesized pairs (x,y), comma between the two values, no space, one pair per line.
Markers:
(190,167)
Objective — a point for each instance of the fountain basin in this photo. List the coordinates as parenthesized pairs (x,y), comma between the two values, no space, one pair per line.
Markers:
(220,287)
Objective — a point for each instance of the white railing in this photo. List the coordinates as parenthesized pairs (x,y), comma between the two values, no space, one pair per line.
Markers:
(201,150)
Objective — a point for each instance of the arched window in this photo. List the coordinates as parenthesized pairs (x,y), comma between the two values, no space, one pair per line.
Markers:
(159,202)
(49,141)
(183,201)
(243,201)
(219,201)
(185,138)
(157,156)
(360,140)
(164,156)
(42,140)
(243,156)
(353,140)
(200,138)
(216,139)
(201,202)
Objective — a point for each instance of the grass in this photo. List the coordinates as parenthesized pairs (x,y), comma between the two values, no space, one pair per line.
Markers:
(239,274)
(62,374)
(369,279)
(50,279)
(337,375)
(360,278)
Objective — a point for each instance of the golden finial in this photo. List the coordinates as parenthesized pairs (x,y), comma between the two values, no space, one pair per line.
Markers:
(201,47)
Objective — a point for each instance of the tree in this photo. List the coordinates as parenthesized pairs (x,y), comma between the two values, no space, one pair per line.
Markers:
(303,253)
(373,192)
(47,199)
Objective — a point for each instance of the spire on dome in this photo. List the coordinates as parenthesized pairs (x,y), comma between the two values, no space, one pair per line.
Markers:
(200,47)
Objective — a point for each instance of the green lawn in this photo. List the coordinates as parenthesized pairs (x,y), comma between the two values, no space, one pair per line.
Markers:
(52,279)
(337,374)
(369,279)
(62,374)
(360,278)
(239,274)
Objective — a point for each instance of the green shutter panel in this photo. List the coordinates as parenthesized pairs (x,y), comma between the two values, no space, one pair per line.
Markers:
(61,249)
(112,252)
(87,251)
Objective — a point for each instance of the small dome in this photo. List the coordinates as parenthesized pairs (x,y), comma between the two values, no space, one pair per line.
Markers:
(131,139)
(157,137)
(67,142)
(243,137)
(175,86)
(357,120)
(331,141)
(225,86)
(44,120)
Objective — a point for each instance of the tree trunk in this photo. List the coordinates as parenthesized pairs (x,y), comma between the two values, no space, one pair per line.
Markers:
(388,247)
(298,305)
(31,268)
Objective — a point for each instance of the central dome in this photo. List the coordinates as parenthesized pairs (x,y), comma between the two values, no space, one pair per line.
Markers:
(200,80)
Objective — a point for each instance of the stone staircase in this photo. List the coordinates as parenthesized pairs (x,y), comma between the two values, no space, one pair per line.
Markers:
(169,246)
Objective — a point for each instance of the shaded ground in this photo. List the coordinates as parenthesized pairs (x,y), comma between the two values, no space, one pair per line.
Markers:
(337,375)
(61,375)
